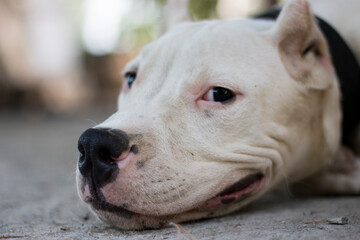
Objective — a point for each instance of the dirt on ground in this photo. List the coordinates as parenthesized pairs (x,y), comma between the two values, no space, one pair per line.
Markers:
(38,199)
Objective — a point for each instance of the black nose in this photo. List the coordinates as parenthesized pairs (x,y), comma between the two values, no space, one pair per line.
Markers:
(98,148)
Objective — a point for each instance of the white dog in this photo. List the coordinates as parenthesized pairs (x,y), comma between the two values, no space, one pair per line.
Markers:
(214,114)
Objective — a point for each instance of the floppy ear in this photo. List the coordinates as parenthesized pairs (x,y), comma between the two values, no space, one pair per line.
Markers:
(175,12)
(302,46)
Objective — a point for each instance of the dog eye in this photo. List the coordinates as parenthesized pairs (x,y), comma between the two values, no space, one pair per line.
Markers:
(219,94)
(130,78)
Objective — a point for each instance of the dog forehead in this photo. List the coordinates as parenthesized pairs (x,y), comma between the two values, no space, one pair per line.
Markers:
(223,34)
(193,48)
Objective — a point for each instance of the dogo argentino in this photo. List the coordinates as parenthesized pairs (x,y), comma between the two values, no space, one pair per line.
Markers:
(214,114)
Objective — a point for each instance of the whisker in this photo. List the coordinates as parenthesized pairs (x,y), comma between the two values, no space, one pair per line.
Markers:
(92,121)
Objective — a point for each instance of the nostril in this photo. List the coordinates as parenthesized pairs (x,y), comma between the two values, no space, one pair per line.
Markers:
(82,159)
(82,152)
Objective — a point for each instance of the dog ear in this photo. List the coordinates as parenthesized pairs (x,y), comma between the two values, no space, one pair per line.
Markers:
(175,12)
(302,46)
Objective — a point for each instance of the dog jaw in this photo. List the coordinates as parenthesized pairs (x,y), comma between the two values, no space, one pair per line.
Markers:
(121,217)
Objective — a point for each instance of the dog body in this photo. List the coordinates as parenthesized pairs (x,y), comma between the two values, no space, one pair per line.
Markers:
(214,114)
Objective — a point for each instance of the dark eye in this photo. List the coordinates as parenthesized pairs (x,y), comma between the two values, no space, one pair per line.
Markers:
(219,94)
(130,78)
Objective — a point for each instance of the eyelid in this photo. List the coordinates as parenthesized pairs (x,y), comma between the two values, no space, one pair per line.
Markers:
(124,73)
(132,69)
(129,73)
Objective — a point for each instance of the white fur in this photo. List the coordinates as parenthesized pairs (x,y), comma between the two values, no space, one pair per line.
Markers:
(283,123)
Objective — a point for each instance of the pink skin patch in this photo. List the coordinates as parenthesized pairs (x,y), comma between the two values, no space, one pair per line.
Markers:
(86,193)
(326,64)
(219,201)
(124,159)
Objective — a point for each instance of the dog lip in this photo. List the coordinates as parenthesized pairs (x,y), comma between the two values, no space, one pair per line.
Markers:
(101,205)
(97,200)
(98,203)
(240,190)
(241,184)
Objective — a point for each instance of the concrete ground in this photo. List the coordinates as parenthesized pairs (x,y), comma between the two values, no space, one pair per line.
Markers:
(38,199)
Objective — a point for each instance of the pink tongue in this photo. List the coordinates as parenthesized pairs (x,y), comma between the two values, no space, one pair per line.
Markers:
(229,198)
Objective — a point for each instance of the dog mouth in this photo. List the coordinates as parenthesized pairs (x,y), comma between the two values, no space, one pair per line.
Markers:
(244,188)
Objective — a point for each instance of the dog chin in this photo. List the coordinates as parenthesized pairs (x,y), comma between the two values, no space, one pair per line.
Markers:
(226,201)
(139,221)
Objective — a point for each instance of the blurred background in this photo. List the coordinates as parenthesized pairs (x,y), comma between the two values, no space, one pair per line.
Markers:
(65,56)
(60,64)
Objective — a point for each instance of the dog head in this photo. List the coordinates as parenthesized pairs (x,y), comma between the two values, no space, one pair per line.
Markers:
(211,116)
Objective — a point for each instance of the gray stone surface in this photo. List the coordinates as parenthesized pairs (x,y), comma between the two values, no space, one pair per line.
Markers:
(38,199)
